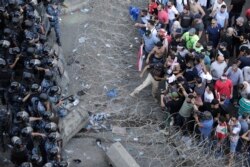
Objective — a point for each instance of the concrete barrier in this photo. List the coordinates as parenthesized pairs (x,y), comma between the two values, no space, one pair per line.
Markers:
(119,157)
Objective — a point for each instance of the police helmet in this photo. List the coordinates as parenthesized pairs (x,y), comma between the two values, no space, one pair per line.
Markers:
(53,136)
(28,23)
(46,50)
(36,159)
(17,13)
(54,90)
(35,62)
(16,141)
(15,50)
(47,115)
(50,127)
(35,87)
(63,164)
(2,62)
(31,15)
(42,38)
(26,164)
(2,9)
(50,62)
(22,116)
(5,43)
(28,35)
(43,97)
(27,75)
(49,164)
(15,20)
(7,31)
(30,51)
(14,85)
(12,2)
(26,131)
(48,75)
(54,151)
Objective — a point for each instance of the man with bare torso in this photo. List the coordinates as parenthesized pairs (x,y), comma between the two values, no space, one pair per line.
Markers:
(157,54)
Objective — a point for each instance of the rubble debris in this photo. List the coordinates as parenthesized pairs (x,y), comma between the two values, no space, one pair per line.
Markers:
(81,93)
(82,40)
(85,10)
(108,45)
(97,121)
(112,93)
(77,161)
(117,139)
(119,130)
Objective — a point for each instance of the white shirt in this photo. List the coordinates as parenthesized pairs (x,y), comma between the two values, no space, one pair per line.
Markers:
(221,17)
(145,19)
(246,91)
(203,2)
(208,97)
(172,12)
(180,5)
(246,73)
(217,6)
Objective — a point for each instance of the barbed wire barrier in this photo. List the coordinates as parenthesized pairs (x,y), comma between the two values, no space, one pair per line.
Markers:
(104,59)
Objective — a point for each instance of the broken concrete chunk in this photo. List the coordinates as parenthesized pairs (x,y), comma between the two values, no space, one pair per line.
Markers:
(82,40)
(119,130)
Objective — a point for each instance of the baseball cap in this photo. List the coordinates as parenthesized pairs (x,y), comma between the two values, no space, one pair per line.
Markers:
(192,31)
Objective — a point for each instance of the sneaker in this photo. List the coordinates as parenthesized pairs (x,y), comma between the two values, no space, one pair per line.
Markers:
(171,122)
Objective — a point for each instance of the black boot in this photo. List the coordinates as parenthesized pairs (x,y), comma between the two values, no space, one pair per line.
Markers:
(58,42)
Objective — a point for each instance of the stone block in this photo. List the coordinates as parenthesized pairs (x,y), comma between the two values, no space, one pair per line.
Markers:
(119,157)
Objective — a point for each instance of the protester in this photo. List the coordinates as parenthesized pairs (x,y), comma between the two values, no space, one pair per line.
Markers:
(207,81)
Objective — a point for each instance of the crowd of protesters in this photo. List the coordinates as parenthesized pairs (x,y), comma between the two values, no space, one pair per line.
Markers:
(31,102)
(201,52)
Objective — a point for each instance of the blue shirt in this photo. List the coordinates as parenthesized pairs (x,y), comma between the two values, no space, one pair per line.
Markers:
(149,42)
(207,126)
(213,32)
(53,12)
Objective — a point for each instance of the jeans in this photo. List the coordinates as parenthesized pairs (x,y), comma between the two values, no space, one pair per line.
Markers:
(233,145)
(57,30)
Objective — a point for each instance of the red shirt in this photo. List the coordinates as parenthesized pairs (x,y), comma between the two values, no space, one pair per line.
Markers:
(163,16)
(248,12)
(224,87)
(152,6)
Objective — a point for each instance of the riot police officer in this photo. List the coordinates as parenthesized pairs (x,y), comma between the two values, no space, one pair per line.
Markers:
(19,153)
(53,15)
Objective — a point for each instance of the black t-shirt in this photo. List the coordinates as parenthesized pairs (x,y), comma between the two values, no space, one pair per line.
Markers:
(155,71)
(225,53)
(227,39)
(239,31)
(191,74)
(174,105)
(186,20)
(247,27)
(237,5)
(214,112)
